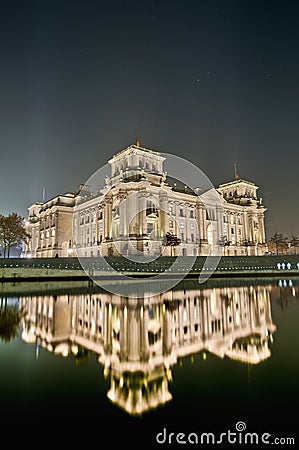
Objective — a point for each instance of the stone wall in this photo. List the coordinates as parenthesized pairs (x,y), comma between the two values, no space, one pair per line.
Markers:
(20,268)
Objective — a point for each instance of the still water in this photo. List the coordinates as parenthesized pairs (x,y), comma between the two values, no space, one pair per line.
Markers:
(77,359)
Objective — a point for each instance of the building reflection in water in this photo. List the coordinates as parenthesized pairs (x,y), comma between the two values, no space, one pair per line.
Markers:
(137,341)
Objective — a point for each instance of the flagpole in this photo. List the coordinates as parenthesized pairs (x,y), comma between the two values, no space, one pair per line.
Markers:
(236,174)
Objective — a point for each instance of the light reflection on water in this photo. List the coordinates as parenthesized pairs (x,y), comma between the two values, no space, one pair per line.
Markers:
(186,347)
(138,341)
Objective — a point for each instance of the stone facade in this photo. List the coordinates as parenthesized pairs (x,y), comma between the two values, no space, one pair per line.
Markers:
(50,226)
(139,210)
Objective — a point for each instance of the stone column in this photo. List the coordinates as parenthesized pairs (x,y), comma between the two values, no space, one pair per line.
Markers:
(204,223)
(110,217)
(142,213)
(132,218)
(261,228)
(107,204)
(201,221)
(219,215)
(123,229)
(251,226)
(162,212)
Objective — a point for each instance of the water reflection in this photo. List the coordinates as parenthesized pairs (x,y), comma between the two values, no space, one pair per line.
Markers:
(10,318)
(138,341)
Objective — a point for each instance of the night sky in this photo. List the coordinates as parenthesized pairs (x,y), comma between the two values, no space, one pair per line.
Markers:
(215,82)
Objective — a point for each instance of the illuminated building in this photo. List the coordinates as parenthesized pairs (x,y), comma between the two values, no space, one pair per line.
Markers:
(139,206)
(138,341)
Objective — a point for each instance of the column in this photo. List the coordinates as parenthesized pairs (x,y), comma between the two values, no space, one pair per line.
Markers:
(162,212)
(261,228)
(219,214)
(201,221)
(123,230)
(142,213)
(107,210)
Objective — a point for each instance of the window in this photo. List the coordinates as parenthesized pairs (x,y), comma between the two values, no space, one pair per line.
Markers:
(171,224)
(181,212)
(150,207)
(191,226)
(182,225)
(191,213)
(192,237)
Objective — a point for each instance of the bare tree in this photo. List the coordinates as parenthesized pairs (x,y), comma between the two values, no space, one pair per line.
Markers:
(295,243)
(10,317)
(278,243)
(12,232)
